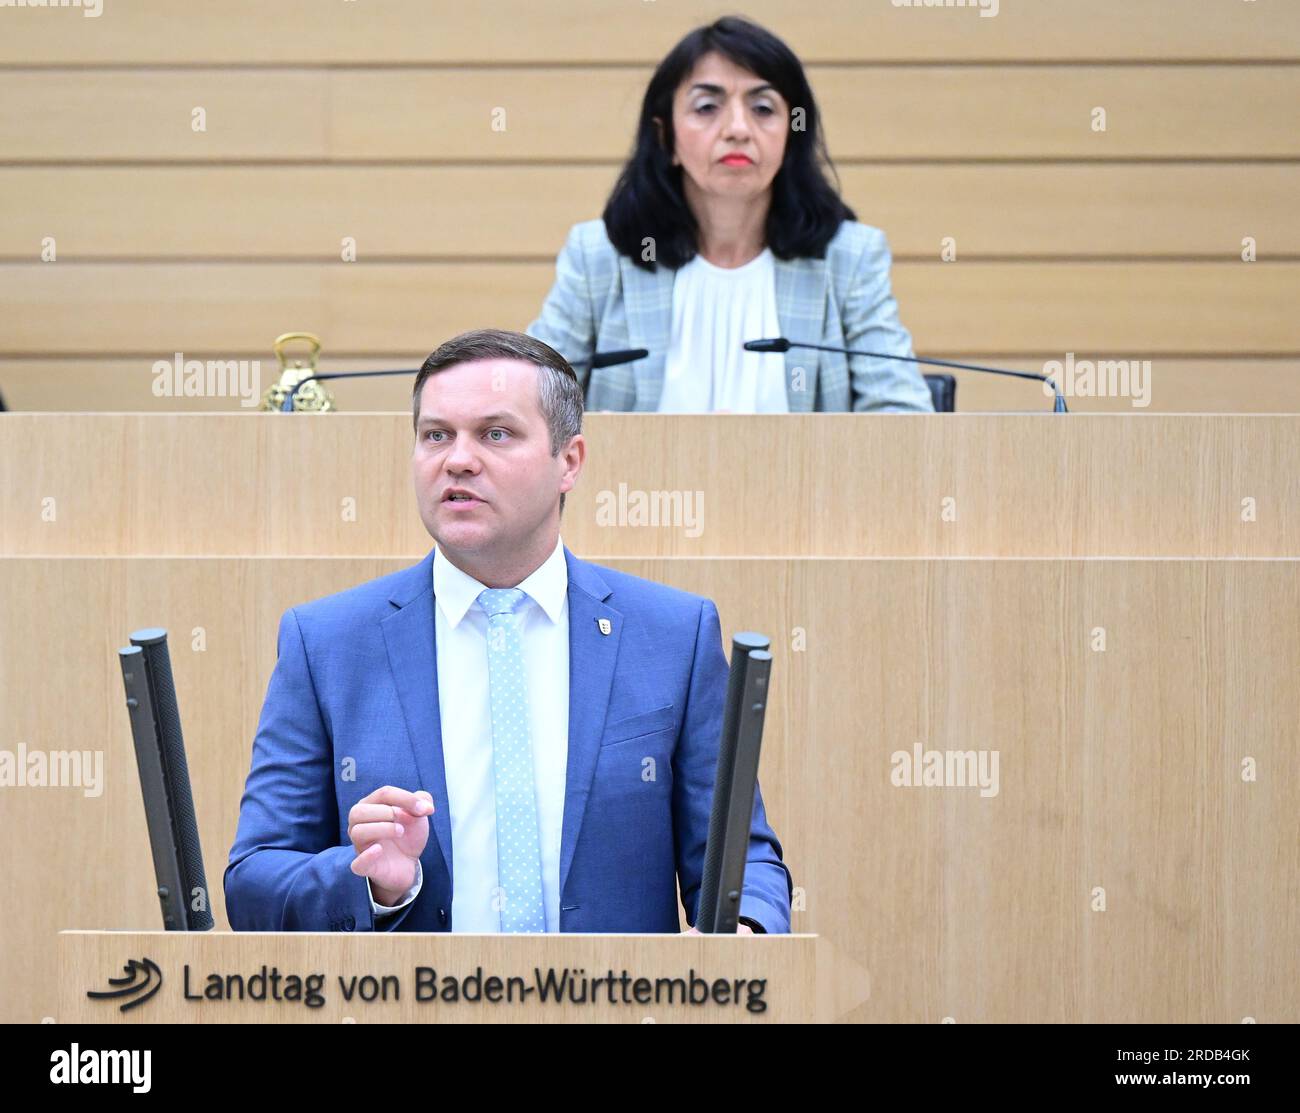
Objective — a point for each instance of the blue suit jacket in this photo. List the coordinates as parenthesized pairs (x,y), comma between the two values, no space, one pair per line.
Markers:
(357,679)
(602,301)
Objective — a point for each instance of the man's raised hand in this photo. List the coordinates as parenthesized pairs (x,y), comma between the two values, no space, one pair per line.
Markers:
(389,830)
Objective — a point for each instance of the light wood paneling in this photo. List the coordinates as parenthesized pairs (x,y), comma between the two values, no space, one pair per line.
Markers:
(429,116)
(1111,310)
(824,485)
(246,213)
(1118,769)
(1257,386)
(945,124)
(1254,386)
(407,31)
(218,310)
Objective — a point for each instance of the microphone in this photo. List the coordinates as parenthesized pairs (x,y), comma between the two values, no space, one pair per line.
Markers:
(781,344)
(611,359)
(606,359)
(600,359)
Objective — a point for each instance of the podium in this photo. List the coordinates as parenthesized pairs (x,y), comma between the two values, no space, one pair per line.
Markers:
(402,977)
(1107,604)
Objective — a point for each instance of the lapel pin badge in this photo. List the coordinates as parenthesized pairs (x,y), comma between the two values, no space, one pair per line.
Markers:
(604,625)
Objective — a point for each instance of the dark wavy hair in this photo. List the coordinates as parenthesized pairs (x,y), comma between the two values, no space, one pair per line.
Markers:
(806,209)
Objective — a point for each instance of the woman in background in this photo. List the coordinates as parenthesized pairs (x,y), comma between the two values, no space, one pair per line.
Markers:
(723,228)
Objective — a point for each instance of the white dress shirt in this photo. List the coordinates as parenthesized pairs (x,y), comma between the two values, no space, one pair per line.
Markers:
(460,626)
(715,310)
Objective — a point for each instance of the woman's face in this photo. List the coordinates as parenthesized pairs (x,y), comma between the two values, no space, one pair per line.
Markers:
(730,128)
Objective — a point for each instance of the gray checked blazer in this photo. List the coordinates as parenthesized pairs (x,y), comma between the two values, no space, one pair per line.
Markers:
(602,301)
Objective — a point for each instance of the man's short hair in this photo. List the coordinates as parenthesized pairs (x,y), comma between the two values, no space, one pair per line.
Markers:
(558,388)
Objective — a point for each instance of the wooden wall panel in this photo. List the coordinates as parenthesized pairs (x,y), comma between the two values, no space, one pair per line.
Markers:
(1107,211)
(824,485)
(376,123)
(416,31)
(578,114)
(229,310)
(1175,386)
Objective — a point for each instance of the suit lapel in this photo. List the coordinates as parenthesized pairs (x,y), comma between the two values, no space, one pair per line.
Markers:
(592,656)
(412,657)
(801,310)
(648,301)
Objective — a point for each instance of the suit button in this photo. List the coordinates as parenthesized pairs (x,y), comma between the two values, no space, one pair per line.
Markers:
(349,922)
(442,915)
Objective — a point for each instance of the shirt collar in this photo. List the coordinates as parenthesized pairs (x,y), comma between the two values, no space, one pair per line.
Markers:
(456,591)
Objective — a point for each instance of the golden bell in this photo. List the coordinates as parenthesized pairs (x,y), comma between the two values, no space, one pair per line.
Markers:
(311,398)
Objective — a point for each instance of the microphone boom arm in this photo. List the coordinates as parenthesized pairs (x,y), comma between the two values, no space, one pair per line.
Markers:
(783,345)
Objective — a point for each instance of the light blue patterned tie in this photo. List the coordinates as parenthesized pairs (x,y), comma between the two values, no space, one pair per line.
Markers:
(519,859)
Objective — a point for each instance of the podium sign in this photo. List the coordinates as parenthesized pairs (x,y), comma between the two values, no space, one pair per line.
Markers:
(115,977)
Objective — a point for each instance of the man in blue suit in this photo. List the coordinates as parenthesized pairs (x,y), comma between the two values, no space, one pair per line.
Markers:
(555,724)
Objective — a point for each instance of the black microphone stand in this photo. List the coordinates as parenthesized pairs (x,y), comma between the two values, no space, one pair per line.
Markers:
(781,344)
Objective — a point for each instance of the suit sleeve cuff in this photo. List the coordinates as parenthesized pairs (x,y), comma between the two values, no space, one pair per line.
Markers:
(407,897)
(754,910)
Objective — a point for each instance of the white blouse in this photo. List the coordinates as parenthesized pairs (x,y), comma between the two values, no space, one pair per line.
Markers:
(715,310)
